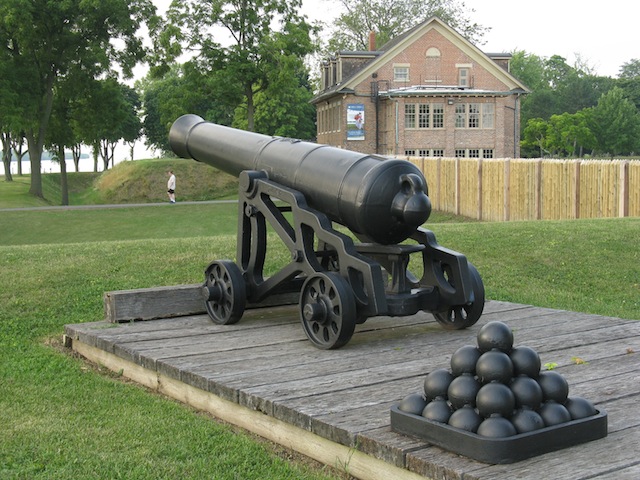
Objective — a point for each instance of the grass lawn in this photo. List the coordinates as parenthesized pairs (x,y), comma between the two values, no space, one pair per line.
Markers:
(62,419)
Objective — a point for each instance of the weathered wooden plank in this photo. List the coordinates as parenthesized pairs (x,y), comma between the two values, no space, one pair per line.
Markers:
(150,303)
(167,302)
(586,460)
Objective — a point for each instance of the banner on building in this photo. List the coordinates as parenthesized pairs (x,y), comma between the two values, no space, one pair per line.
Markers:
(355,121)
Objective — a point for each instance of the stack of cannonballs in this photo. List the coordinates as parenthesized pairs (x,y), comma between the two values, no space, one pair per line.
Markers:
(496,390)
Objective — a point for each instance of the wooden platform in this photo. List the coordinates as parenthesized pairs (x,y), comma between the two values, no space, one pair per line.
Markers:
(264,375)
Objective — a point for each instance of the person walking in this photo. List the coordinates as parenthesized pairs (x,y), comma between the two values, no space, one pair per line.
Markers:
(171,187)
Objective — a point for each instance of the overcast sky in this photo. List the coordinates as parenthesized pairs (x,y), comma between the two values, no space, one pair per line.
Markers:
(604,34)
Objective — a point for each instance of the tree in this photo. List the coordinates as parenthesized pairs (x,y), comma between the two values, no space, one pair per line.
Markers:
(186,88)
(60,134)
(50,40)
(615,123)
(535,135)
(283,107)
(249,54)
(629,81)
(569,133)
(630,70)
(388,19)
(6,155)
(106,114)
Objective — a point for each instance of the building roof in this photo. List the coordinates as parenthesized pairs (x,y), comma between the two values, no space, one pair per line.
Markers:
(399,43)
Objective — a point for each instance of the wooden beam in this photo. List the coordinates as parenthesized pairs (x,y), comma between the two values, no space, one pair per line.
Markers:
(167,302)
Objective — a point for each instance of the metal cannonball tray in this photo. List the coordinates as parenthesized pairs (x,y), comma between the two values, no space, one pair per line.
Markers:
(501,450)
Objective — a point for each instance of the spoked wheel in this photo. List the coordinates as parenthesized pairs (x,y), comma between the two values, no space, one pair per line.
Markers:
(224,291)
(327,310)
(458,317)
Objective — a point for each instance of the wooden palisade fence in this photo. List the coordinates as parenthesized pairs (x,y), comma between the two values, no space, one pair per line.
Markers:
(530,189)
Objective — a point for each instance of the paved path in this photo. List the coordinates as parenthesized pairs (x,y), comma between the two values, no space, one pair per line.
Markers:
(118,205)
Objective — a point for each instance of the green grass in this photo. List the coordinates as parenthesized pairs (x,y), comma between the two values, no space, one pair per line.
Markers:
(63,419)
(142,181)
(28,227)
(15,194)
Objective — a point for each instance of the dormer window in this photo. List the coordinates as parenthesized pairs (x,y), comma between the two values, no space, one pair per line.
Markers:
(401,72)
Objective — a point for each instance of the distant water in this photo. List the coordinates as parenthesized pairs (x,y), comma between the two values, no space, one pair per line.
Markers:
(49,166)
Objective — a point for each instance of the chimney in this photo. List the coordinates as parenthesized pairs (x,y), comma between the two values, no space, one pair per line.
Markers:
(372,41)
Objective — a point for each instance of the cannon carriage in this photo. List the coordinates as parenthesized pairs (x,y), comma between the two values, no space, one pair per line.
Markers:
(308,194)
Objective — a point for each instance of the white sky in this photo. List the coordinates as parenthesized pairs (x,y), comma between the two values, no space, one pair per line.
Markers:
(603,34)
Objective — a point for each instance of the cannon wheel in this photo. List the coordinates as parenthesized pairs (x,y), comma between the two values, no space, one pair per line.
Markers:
(225,292)
(458,317)
(327,310)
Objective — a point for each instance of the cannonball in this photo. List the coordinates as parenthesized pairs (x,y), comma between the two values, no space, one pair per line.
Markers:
(554,386)
(579,407)
(464,360)
(436,383)
(495,398)
(496,427)
(466,418)
(413,403)
(495,335)
(526,420)
(554,413)
(462,391)
(527,392)
(437,410)
(526,361)
(495,366)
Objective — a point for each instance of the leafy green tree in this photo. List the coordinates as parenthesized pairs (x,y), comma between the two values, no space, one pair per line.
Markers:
(131,126)
(629,81)
(630,69)
(186,88)
(390,18)
(615,123)
(529,69)
(61,134)
(46,41)
(569,134)
(106,114)
(535,136)
(259,32)
(283,107)
(556,88)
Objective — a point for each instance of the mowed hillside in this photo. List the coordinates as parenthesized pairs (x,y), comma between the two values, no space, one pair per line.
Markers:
(142,181)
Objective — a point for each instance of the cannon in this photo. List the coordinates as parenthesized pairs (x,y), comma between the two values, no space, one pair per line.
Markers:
(352,223)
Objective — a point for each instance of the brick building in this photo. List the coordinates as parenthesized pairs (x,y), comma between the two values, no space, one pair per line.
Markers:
(428,92)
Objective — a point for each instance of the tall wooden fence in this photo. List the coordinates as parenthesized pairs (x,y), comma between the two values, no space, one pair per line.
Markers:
(528,189)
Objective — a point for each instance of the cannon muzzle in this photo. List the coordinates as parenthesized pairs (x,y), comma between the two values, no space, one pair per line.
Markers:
(381,200)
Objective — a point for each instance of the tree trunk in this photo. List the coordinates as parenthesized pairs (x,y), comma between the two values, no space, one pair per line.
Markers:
(35,140)
(17,146)
(35,160)
(76,150)
(6,156)
(64,184)
(250,108)
(96,146)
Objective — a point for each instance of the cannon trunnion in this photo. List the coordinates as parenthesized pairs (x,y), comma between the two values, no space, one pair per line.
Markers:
(299,191)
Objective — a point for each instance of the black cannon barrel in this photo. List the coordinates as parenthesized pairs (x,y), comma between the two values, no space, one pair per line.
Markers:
(383,199)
